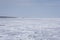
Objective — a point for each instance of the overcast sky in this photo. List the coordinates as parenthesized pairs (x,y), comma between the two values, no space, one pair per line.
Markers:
(30,8)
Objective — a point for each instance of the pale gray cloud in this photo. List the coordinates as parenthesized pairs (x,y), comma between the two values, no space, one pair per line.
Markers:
(15,2)
(29,2)
(23,2)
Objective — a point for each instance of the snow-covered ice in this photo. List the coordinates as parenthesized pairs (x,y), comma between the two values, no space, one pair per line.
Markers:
(29,28)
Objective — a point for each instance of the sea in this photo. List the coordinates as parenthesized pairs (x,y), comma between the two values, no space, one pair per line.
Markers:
(29,28)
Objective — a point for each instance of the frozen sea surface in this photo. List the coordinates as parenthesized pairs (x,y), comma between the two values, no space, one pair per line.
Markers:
(30,29)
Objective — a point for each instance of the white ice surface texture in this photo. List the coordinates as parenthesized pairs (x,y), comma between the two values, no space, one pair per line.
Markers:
(30,29)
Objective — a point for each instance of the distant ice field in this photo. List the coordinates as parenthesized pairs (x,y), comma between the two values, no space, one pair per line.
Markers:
(29,28)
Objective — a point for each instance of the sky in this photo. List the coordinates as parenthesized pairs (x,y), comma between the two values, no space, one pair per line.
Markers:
(30,8)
